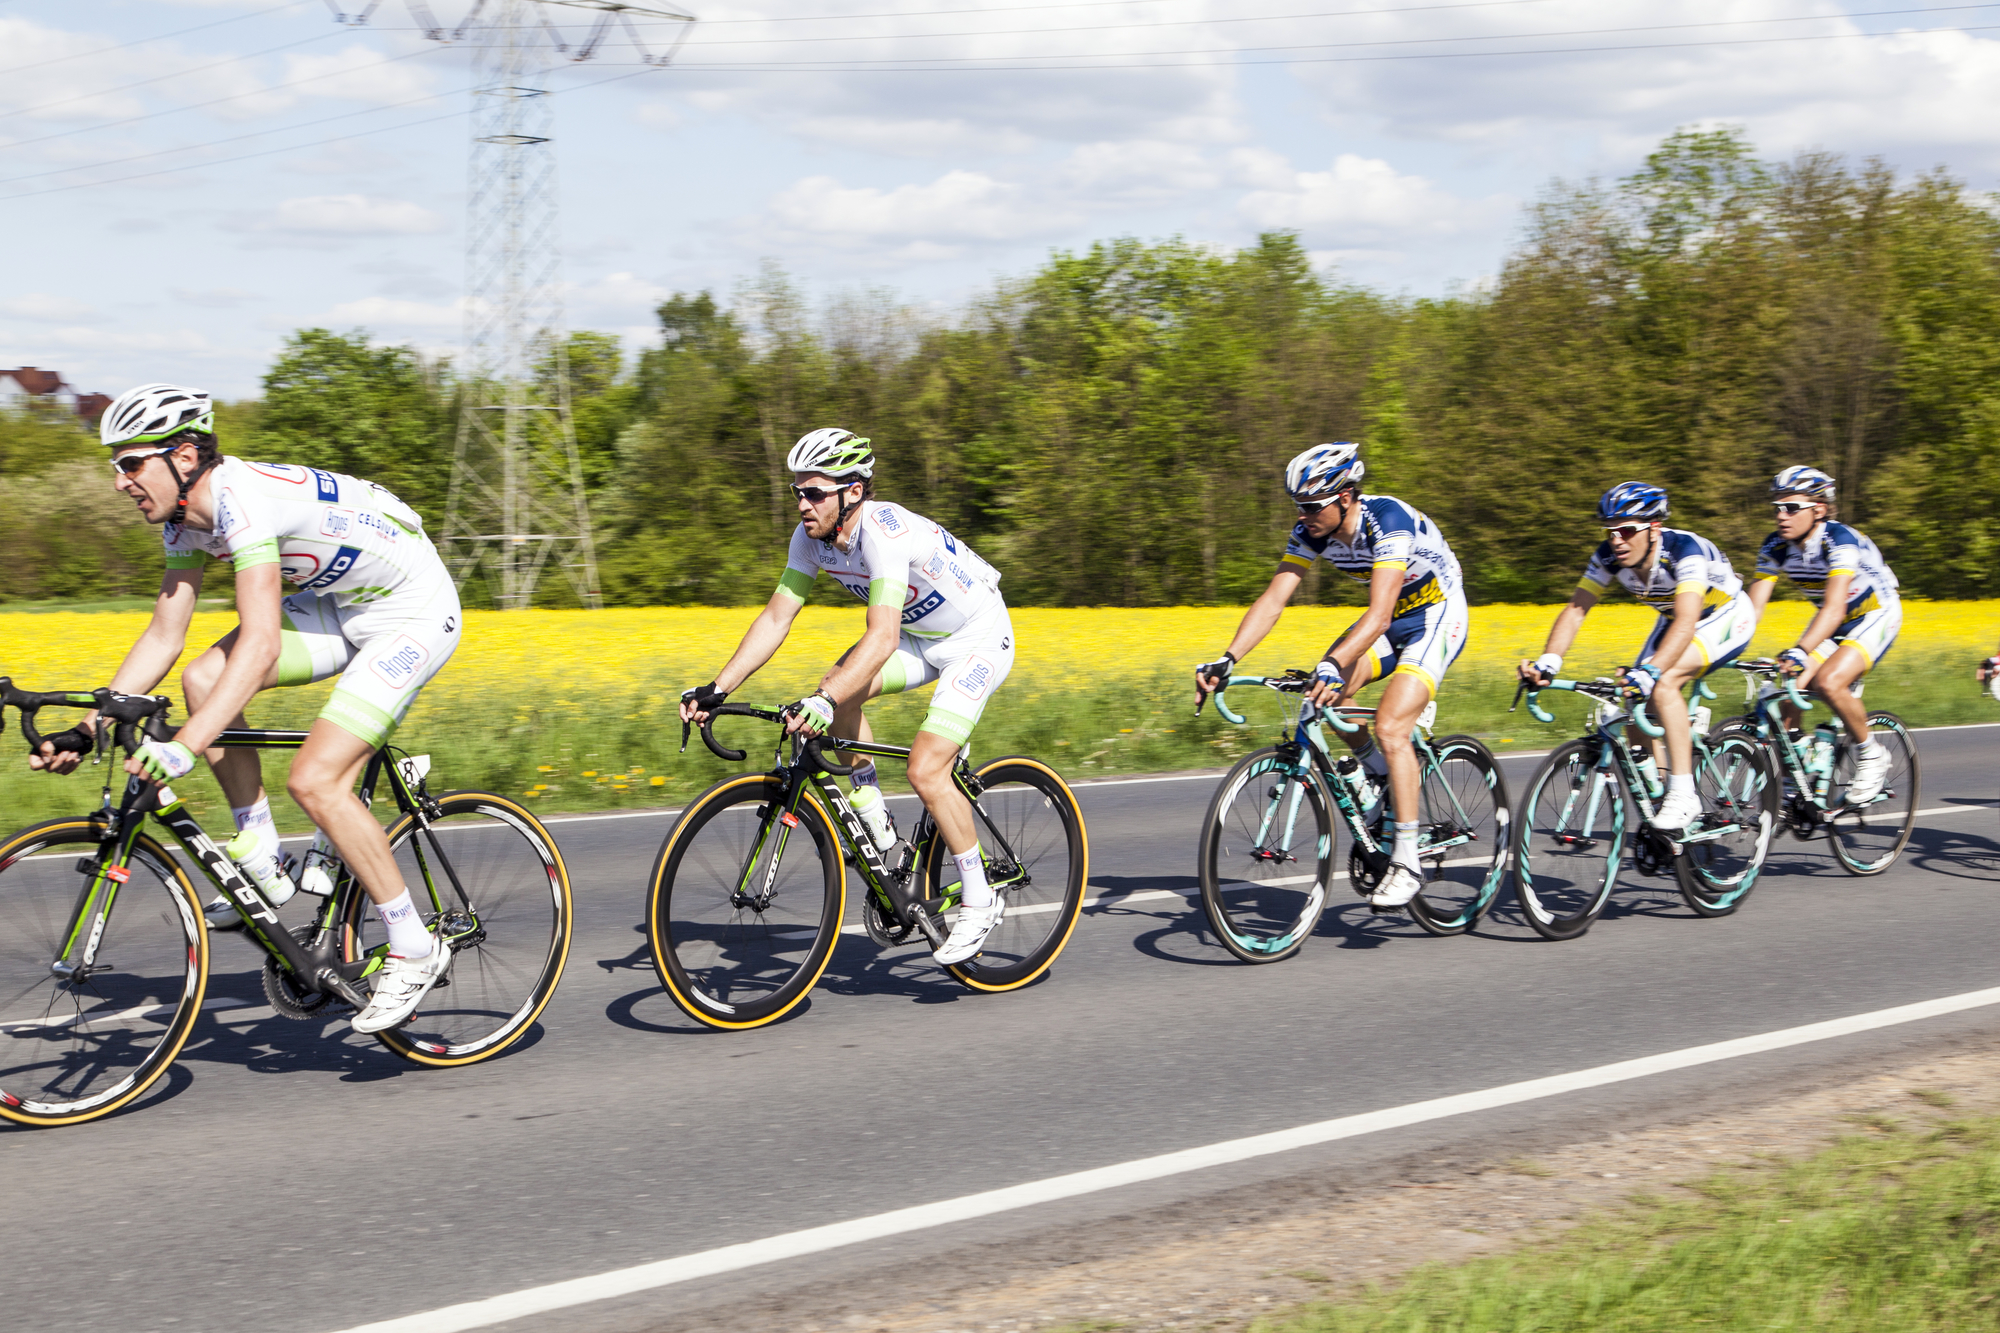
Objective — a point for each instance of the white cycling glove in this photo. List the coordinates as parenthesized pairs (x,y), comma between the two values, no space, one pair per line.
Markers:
(166,760)
(1548,664)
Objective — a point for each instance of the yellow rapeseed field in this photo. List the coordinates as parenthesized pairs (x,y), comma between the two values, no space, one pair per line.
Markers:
(563,661)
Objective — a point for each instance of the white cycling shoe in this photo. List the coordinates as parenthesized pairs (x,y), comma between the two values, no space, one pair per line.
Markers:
(1676,812)
(401,986)
(1871,769)
(969,932)
(1398,886)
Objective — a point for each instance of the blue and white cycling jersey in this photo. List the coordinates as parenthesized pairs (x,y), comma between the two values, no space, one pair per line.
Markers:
(1685,561)
(1392,535)
(1829,549)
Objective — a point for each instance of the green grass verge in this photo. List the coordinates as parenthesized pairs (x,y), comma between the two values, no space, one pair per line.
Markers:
(1894,1231)
(1143,725)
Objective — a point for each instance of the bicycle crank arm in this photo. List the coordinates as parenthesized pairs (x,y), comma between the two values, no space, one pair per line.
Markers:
(1709,834)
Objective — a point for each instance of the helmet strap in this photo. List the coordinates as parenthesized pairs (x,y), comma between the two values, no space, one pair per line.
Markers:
(201,467)
(840,523)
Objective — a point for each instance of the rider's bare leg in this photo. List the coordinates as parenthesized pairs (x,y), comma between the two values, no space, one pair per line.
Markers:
(1832,680)
(238,771)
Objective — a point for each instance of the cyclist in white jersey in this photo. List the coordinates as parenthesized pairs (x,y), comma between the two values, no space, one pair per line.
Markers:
(333,576)
(1859,610)
(934,614)
(1412,631)
(1705,621)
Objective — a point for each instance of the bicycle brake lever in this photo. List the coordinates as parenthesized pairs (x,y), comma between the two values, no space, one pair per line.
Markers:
(687,729)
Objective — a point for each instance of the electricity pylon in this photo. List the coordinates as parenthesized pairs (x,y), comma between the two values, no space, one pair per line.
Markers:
(516,502)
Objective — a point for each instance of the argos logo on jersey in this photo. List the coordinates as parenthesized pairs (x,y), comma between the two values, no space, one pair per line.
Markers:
(975,677)
(886,518)
(934,567)
(402,663)
(336,568)
(336,522)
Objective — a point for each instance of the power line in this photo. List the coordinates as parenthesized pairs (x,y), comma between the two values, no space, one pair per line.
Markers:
(162,78)
(893,66)
(293,148)
(1281,18)
(217,101)
(160,37)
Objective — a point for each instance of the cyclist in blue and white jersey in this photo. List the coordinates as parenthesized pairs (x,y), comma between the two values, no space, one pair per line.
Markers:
(1859,610)
(1705,620)
(934,614)
(334,576)
(1411,633)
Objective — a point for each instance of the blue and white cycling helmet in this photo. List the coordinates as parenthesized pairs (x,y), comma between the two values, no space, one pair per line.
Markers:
(1324,468)
(1633,499)
(1806,481)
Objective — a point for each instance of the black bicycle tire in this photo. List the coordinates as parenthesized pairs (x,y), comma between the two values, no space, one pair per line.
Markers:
(1550,925)
(1496,873)
(489,805)
(1219,922)
(1878,720)
(87,835)
(1698,891)
(997,980)
(765,790)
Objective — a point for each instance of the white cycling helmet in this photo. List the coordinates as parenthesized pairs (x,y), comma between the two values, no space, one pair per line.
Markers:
(1323,468)
(154,412)
(832,452)
(1806,481)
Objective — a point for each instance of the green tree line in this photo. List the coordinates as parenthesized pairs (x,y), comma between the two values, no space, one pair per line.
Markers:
(1111,429)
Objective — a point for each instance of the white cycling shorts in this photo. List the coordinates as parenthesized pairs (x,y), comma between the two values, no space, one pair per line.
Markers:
(1873,632)
(967,664)
(384,652)
(1720,638)
(1423,643)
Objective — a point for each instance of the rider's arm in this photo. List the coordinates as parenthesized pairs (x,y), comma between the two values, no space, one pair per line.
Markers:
(1264,612)
(1759,593)
(1562,634)
(1832,610)
(762,640)
(259,621)
(1385,585)
(149,660)
(853,676)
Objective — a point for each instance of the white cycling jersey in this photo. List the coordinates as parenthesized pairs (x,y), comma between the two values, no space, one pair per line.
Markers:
(900,559)
(328,533)
(1684,561)
(1831,548)
(1392,535)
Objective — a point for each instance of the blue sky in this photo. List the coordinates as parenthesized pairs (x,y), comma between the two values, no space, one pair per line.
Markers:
(924,146)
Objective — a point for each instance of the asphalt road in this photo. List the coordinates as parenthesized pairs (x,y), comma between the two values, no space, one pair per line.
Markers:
(294,1174)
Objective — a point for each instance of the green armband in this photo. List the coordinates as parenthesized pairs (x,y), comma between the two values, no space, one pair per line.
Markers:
(887,592)
(184,559)
(263,553)
(793,583)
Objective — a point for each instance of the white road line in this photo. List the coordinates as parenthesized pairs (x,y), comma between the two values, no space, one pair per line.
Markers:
(902,1221)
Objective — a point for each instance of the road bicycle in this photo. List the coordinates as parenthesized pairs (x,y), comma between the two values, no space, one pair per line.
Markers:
(1266,858)
(749,891)
(1817,770)
(104,953)
(1590,793)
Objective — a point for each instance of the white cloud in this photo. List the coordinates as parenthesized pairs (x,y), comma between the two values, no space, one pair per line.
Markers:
(43,307)
(956,208)
(342,215)
(1362,200)
(212,298)
(389,312)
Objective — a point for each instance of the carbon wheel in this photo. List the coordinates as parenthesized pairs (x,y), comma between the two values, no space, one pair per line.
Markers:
(1866,840)
(73,1049)
(1265,860)
(745,903)
(1736,778)
(1569,840)
(489,877)
(1037,858)
(1463,844)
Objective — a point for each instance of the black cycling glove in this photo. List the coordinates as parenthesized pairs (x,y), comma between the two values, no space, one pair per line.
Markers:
(1219,667)
(705,698)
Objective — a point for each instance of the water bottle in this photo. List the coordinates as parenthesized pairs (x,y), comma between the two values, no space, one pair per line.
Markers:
(1649,770)
(1822,749)
(874,811)
(320,868)
(1699,719)
(260,865)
